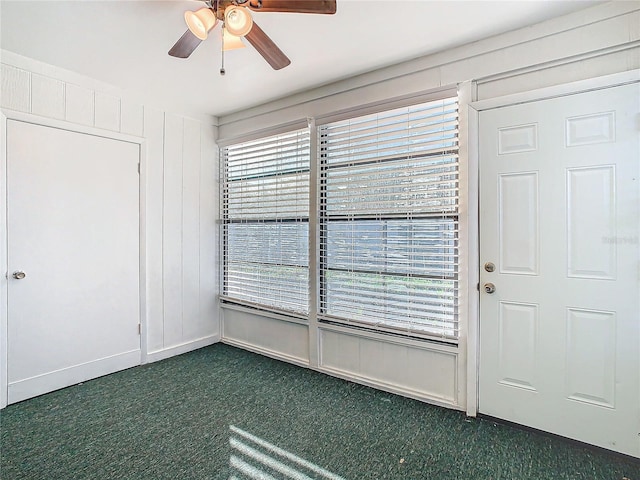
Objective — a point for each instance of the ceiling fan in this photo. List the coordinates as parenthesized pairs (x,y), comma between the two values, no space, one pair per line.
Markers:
(236,19)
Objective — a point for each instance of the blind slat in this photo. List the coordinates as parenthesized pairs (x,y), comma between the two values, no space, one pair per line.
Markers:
(265,258)
(383,265)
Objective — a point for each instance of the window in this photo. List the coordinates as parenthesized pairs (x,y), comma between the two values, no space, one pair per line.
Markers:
(265,215)
(389,220)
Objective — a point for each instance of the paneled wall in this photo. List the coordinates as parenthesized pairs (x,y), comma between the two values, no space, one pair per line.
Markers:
(181,194)
(182,205)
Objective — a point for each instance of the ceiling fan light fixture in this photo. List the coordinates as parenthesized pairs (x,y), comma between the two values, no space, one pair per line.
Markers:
(200,22)
(231,42)
(238,21)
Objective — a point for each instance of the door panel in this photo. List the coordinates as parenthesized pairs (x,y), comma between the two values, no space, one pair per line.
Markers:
(591,217)
(518,206)
(73,228)
(559,218)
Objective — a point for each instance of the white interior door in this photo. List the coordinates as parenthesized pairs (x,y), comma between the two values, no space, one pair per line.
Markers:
(73,229)
(559,219)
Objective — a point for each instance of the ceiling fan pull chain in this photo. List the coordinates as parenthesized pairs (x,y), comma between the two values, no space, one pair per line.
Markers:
(222,70)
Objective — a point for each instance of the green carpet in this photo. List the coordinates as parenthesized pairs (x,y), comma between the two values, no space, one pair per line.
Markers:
(221,413)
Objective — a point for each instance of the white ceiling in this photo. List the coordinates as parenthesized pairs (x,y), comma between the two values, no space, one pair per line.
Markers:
(125,43)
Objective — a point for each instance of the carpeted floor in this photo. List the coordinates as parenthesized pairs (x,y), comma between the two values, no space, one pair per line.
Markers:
(221,413)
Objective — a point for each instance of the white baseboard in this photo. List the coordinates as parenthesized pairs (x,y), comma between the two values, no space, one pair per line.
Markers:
(302,362)
(48,382)
(390,388)
(181,348)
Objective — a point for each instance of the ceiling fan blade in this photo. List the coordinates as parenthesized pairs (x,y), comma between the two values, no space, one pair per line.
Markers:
(294,6)
(185,46)
(265,47)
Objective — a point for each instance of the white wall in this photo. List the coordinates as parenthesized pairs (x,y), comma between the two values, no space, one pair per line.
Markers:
(180,184)
(598,41)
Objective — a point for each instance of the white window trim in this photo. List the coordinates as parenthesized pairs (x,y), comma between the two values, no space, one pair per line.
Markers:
(273,217)
(461,277)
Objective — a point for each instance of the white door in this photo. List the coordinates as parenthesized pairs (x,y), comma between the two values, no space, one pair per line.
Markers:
(72,226)
(559,219)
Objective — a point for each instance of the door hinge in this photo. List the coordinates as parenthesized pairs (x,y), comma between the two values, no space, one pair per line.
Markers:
(138,168)
(139,329)
(478,286)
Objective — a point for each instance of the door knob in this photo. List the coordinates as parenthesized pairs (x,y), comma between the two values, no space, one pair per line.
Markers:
(18,275)
(489,267)
(489,287)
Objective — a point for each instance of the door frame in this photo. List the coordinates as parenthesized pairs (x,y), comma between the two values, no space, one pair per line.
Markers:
(6,115)
(474,109)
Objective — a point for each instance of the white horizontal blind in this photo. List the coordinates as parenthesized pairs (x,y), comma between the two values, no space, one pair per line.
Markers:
(265,202)
(389,220)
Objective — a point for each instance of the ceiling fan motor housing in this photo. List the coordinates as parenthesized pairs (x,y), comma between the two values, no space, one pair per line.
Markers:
(205,19)
(220,6)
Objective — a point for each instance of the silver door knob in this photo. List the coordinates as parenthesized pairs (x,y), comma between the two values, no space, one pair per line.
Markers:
(18,275)
(489,287)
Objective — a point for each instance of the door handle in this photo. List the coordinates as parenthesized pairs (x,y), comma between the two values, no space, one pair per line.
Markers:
(19,275)
(489,287)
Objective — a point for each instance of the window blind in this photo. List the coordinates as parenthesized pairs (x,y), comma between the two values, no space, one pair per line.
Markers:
(265,216)
(389,220)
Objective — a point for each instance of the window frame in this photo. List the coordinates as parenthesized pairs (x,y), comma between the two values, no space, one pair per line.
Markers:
(226,221)
(466,293)
(324,219)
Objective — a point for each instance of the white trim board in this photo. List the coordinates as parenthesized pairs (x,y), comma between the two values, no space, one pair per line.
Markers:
(421,344)
(157,355)
(32,387)
(264,313)
(301,362)
(4,309)
(389,388)
(468,225)
(72,127)
(606,81)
